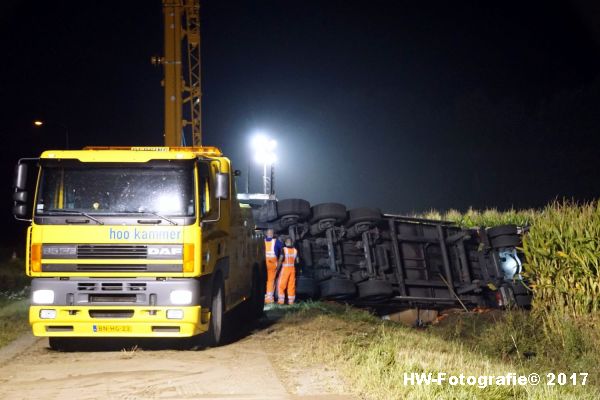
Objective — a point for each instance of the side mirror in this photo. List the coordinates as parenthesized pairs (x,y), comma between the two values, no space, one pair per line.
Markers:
(20,197)
(20,210)
(21,176)
(222,186)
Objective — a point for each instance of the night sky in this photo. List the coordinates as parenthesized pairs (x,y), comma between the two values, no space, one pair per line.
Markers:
(405,106)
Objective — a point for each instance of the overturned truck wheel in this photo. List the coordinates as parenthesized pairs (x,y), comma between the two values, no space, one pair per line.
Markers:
(333,211)
(337,289)
(307,288)
(505,241)
(363,215)
(375,290)
(501,230)
(298,207)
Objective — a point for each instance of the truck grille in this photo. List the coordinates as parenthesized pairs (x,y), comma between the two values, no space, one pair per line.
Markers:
(112,267)
(110,251)
(111,286)
(111,313)
(112,298)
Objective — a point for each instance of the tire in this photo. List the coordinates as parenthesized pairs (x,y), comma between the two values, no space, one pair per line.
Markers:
(306,288)
(337,289)
(358,215)
(60,343)
(265,213)
(501,230)
(523,301)
(256,303)
(214,336)
(506,241)
(334,211)
(375,290)
(277,227)
(297,207)
(322,274)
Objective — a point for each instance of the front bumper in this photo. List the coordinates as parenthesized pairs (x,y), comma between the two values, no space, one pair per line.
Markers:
(118,321)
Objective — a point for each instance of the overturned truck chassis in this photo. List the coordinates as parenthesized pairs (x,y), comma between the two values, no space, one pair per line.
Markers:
(389,262)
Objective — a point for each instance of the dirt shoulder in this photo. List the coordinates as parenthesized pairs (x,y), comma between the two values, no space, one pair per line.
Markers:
(253,367)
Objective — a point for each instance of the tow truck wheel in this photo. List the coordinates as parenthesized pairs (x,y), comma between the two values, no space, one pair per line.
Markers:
(257,301)
(217,311)
(60,343)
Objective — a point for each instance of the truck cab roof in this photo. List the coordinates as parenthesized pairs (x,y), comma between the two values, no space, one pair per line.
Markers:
(132,153)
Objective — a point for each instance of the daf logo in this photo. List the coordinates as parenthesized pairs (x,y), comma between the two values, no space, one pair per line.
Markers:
(164,251)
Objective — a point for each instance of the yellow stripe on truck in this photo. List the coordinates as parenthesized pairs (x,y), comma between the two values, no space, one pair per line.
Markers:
(145,321)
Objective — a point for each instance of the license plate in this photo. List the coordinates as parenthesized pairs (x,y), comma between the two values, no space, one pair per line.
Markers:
(111,328)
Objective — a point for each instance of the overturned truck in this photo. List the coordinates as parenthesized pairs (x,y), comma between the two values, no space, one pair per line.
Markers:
(389,262)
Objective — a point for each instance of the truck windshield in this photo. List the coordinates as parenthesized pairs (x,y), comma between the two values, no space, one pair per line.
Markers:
(162,188)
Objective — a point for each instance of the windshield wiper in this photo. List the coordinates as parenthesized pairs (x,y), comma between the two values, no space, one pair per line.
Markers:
(152,213)
(72,212)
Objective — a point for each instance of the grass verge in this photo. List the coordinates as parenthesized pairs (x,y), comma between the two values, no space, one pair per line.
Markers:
(13,318)
(13,303)
(12,276)
(374,355)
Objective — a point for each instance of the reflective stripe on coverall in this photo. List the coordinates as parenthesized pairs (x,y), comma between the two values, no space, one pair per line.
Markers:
(287,276)
(271,260)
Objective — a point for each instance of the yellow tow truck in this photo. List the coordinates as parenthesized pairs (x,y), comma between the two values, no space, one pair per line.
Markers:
(137,242)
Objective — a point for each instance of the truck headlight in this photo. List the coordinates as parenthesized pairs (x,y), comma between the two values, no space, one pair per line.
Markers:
(43,296)
(181,297)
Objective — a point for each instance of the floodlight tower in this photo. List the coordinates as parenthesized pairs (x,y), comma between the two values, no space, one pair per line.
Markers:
(264,153)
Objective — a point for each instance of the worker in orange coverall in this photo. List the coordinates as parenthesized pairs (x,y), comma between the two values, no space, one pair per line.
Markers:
(272,252)
(287,275)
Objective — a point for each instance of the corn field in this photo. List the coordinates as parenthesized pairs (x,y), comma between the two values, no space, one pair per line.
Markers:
(562,252)
(563,257)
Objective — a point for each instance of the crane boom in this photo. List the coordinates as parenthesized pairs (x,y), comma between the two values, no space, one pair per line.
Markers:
(183,89)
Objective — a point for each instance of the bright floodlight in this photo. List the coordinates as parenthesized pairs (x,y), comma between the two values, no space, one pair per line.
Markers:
(264,154)
(265,157)
(264,149)
(38,123)
(260,141)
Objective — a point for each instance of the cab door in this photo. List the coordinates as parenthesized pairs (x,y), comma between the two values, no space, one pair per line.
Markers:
(239,243)
(215,232)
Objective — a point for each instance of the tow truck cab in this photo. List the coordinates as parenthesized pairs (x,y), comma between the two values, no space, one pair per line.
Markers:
(136,242)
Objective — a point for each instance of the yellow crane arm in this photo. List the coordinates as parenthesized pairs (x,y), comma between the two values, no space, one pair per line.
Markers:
(183,90)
